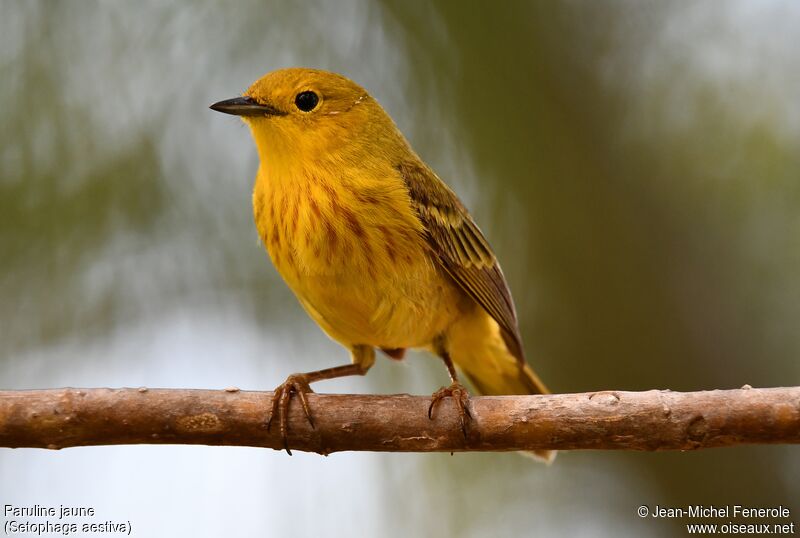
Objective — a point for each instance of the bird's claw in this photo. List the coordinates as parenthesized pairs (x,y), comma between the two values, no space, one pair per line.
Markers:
(460,397)
(294,384)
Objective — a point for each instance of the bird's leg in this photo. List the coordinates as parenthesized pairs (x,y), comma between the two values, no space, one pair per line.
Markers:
(456,390)
(363,358)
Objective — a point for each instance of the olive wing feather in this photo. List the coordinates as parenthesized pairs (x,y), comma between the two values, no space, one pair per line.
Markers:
(461,249)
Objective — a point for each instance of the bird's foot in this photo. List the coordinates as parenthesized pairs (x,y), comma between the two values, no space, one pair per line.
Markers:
(294,384)
(460,397)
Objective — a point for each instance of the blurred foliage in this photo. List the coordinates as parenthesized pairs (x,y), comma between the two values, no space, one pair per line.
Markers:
(64,195)
(640,266)
(634,164)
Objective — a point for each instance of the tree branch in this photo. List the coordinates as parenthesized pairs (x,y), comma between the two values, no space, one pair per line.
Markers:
(652,420)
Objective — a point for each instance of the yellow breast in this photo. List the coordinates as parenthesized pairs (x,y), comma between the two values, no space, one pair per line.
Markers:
(353,253)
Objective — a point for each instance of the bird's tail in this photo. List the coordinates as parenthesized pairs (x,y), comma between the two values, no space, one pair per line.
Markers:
(479,351)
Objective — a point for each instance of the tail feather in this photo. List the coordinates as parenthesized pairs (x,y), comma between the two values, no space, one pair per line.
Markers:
(512,387)
(478,349)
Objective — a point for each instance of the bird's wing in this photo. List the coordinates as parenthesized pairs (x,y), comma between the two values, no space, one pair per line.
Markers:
(460,248)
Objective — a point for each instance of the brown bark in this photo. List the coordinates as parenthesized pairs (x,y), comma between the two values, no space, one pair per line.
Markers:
(652,420)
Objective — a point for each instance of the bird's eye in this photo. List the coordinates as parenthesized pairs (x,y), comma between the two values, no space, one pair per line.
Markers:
(306,101)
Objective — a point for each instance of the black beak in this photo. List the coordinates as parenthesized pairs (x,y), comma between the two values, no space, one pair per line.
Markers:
(245,106)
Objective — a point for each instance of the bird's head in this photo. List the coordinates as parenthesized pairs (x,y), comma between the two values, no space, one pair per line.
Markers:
(301,113)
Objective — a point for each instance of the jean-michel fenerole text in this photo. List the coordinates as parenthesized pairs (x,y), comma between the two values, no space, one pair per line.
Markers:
(728,511)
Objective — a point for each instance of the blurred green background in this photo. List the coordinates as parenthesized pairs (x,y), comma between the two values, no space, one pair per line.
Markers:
(635,164)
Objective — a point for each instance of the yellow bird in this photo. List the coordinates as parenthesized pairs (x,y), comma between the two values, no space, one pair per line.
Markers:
(377,249)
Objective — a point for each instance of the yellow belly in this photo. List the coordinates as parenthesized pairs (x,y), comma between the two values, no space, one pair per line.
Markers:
(365,312)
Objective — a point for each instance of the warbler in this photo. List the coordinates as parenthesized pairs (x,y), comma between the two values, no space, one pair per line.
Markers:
(378,250)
